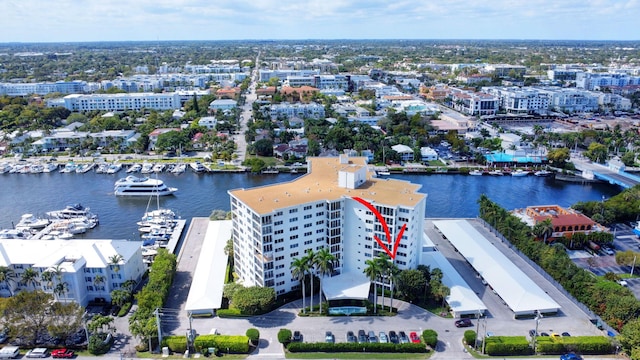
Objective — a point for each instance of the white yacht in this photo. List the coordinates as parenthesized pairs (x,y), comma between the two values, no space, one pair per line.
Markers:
(83,168)
(475,172)
(14,234)
(179,168)
(197,167)
(30,222)
(519,172)
(69,167)
(71,211)
(147,168)
(50,167)
(159,167)
(114,168)
(542,173)
(134,168)
(135,186)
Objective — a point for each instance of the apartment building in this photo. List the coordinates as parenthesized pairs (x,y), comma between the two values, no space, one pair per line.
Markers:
(121,102)
(84,266)
(42,88)
(570,100)
(474,103)
(297,110)
(596,81)
(265,75)
(330,207)
(516,100)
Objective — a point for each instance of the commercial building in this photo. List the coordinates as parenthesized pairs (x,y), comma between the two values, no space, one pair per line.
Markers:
(515,100)
(339,206)
(86,267)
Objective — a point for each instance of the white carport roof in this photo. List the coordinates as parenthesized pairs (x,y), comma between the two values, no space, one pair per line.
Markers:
(461,299)
(346,286)
(205,293)
(519,292)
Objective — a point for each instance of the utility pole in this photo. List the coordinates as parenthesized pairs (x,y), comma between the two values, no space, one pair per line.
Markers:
(633,265)
(477,329)
(537,318)
(190,337)
(157,314)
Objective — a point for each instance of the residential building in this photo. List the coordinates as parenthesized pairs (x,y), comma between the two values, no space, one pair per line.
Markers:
(428,154)
(330,207)
(311,110)
(474,103)
(209,122)
(121,102)
(223,105)
(405,152)
(565,221)
(265,75)
(85,266)
(570,100)
(515,100)
(153,136)
(505,70)
(596,80)
(43,88)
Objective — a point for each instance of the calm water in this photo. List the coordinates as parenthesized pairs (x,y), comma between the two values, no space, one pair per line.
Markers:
(198,195)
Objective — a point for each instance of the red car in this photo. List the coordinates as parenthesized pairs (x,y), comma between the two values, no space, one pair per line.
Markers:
(62,353)
(414,337)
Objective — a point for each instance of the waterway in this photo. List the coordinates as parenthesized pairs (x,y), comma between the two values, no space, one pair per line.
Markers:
(199,194)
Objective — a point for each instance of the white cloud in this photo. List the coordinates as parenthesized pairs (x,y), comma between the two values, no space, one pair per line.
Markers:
(87,20)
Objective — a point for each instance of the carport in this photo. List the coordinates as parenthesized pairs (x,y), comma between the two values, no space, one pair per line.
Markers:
(517,290)
(346,293)
(205,293)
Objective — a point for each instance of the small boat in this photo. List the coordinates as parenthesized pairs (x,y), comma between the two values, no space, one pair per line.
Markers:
(147,168)
(519,172)
(50,167)
(197,167)
(5,168)
(114,168)
(29,222)
(179,168)
(496,173)
(542,173)
(475,172)
(159,167)
(83,168)
(134,168)
(69,167)
(382,173)
(102,168)
(72,211)
(14,234)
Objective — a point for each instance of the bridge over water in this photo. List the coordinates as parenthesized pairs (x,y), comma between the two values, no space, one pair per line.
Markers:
(610,174)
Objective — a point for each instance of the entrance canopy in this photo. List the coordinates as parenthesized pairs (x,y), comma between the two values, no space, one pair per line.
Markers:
(346,286)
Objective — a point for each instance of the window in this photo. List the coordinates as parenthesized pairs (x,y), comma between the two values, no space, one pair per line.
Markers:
(294,210)
(293,219)
(293,246)
(308,207)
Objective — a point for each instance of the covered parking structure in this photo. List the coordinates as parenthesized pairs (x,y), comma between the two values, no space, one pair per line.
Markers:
(346,293)
(205,293)
(462,299)
(523,296)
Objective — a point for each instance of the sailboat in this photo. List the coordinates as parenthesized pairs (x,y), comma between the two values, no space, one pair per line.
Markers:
(158,217)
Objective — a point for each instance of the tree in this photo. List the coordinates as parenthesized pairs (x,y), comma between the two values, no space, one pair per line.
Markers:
(558,156)
(29,277)
(98,281)
(299,268)
(373,272)
(7,276)
(120,297)
(172,140)
(324,263)
(411,284)
(28,314)
(310,258)
(254,300)
(114,261)
(543,230)
(66,319)
(263,147)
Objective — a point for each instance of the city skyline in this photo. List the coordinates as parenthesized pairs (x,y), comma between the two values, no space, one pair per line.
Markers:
(120,20)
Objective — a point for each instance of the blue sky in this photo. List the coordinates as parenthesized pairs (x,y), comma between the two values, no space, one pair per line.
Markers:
(123,20)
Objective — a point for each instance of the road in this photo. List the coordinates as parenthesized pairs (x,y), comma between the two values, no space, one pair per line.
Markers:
(584,164)
(246,114)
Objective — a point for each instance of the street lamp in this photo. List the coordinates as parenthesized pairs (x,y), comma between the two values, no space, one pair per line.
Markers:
(535,335)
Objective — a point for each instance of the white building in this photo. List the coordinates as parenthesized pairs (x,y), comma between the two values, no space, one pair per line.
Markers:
(296,110)
(405,152)
(266,75)
(474,103)
(84,265)
(515,100)
(43,88)
(223,104)
(595,81)
(121,102)
(272,225)
(571,99)
(428,154)
(209,122)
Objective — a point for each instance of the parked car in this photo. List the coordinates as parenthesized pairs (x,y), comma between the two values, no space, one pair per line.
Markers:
(62,353)
(351,338)
(362,337)
(570,356)
(414,337)
(297,336)
(38,353)
(544,334)
(393,337)
(555,336)
(383,337)
(372,337)
(3,337)
(566,334)
(532,333)
(463,323)
(403,337)
(9,352)
(329,338)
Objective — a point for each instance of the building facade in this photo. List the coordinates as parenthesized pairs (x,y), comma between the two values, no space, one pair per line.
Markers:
(84,266)
(122,102)
(326,208)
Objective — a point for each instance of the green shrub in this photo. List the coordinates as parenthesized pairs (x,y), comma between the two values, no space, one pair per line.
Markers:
(254,335)
(356,347)
(507,345)
(98,343)
(124,310)
(176,344)
(229,313)
(581,344)
(237,344)
(470,337)
(284,336)
(430,337)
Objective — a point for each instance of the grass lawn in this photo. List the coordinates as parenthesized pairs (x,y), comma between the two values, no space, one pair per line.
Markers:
(356,356)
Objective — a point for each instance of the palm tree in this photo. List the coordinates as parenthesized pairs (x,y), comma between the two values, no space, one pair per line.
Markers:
(29,277)
(61,288)
(324,261)
(114,261)
(392,274)
(543,229)
(373,272)
(299,268)
(385,263)
(47,277)
(98,280)
(6,276)
(311,260)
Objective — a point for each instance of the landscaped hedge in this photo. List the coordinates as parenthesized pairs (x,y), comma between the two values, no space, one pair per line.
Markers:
(176,344)
(237,344)
(356,347)
(470,337)
(254,335)
(580,344)
(284,336)
(229,313)
(430,337)
(507,345)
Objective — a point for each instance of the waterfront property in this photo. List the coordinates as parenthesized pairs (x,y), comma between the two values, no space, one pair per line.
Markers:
(565,222)
(331,207)
(82,270)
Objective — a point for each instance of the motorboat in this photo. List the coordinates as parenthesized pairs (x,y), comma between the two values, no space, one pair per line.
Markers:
(5,168)
(382,173)
(147,168)
(496,173)
(69,167)
(519,172)
(14,234)
(102,168)
(50,167)
(141,186)
(475,172)
(36,169)
(159,167)
(114,168)
(179,168)
(197,167)
(57,235)
(83,168)
(542,173)
(134,168)
(69,226)
(30,222)
(72,211)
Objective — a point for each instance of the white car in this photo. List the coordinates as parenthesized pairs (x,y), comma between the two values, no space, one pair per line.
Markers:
(38,353)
